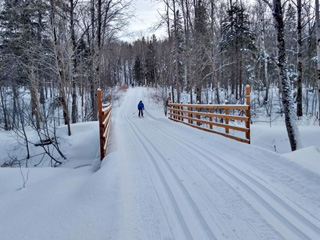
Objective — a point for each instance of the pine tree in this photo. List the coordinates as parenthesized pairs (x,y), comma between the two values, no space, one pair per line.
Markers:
(138,72)
(24,45)
(151,69)
(200,40)
(238,43)
(177,53)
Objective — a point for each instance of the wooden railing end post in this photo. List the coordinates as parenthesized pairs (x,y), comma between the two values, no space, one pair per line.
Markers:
(99,97)
(248,91)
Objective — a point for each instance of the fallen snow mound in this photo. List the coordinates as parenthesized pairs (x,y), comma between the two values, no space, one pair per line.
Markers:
(308,157)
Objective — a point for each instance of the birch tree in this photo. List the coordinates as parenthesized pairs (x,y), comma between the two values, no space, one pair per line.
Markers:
(287,100)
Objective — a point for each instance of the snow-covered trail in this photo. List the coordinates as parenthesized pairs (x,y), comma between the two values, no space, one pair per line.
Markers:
(160,180)
(177,182)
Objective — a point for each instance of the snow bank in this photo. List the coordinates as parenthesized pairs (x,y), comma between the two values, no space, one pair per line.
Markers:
(275,138)
(307,157)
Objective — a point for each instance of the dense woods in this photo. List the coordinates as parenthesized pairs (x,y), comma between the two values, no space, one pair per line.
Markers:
(56,53)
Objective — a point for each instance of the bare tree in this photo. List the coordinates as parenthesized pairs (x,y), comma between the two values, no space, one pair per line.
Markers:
(58,51)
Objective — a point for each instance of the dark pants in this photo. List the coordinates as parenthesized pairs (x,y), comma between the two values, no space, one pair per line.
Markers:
(140,113)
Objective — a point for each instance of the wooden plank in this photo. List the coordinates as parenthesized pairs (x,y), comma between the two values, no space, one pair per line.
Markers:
(206,106)
(105,129)
(106,110)
(212,131)
(232,117)
(106,138)
(107,119)
(104,105)
(241,129)
(104,123)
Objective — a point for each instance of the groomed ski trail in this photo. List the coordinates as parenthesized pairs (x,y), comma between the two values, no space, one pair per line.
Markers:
(182,183)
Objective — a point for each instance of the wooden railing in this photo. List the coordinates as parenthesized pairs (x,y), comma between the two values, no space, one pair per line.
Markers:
(205,116)
(104,123)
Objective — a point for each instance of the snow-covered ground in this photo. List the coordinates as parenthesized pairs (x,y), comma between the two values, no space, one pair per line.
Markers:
(165,180)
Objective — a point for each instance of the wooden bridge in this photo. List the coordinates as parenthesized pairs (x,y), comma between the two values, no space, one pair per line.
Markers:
(201,116)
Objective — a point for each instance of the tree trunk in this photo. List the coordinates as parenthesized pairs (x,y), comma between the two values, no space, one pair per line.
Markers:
(4,109)
(287,100)
(59,66)
(299,60)
(93,86)
(263,47)
(198,90)
(318,54)
(35,106)
(74,107)
(15,116)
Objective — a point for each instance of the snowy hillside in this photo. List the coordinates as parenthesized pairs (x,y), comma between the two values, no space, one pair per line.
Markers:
(165,180)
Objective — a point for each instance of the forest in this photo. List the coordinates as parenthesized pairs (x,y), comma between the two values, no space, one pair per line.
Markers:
(55,54)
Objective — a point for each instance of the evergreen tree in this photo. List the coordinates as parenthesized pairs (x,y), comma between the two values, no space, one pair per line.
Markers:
(201,67)
(238,43)
(24,48)
(177,53)
(151,69)
(138,71)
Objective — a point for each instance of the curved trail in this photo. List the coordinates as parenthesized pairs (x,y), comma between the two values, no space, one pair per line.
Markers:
(181,183)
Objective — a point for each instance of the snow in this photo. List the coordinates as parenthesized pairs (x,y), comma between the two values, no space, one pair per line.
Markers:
(308,157)
(164,180)
(275,138)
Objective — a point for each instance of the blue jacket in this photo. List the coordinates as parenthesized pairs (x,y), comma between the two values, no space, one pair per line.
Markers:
(140,105)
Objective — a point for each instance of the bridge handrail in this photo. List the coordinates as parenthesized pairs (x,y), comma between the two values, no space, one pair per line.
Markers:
(104,110)
(180,112)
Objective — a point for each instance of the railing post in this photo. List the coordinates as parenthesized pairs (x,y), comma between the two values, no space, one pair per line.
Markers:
(210,118)
(99,95)
(170,107)
(189,114)
(178,111)
(198,116)
(227,113)
(181,108)
(248,90)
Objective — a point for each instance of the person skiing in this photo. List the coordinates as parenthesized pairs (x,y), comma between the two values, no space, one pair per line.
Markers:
(140,108)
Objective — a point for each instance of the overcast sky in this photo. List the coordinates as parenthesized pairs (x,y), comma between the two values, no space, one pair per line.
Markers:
(146,17)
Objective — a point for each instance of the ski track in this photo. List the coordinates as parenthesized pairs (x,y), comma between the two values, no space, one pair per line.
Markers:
(280,175)
(277,172)
(176,182)
(190,188)
(166,187)
(262,194)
